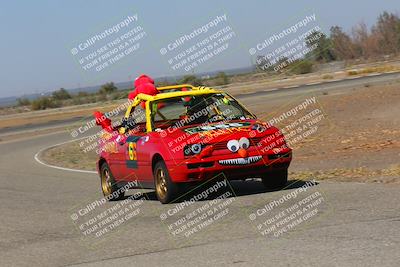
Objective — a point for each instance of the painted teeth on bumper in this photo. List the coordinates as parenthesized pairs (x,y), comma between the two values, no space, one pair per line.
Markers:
(240,161)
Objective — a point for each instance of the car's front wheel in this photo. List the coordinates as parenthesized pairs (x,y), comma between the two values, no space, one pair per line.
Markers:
(276,179)
(166,190)
(108,185)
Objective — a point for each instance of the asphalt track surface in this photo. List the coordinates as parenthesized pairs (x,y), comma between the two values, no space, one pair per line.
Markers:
(355,224)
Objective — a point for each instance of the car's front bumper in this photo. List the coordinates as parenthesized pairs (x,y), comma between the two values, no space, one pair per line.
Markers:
(194,169)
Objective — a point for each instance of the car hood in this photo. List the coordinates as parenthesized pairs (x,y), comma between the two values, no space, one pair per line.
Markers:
(210,129)
(216,132)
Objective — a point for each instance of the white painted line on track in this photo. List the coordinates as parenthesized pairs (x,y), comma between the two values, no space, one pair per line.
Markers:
(36,157)
(394,71)
(313,83)
(292,86)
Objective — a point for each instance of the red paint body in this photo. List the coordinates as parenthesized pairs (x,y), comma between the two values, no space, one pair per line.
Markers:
(266,152)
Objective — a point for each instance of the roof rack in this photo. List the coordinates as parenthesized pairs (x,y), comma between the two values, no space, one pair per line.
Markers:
(178,86)
(195,90)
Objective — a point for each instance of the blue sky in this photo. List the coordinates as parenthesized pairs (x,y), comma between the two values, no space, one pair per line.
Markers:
(37,36)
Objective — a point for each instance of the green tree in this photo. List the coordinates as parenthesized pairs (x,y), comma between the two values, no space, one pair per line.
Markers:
(23,101)
(163,82)
(108,88)
(191,79)
(82,94)
(221,78)
(44,103)
(61,94)
(281,64)
(301,67)
(321,47)
(263,63)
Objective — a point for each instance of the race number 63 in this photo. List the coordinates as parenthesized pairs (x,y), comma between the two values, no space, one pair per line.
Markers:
(132,151)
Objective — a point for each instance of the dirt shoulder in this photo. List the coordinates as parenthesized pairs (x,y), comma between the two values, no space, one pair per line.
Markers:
(358,141)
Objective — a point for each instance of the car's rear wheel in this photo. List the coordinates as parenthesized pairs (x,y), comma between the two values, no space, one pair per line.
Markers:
(276,179)
(108,185)
(166,190)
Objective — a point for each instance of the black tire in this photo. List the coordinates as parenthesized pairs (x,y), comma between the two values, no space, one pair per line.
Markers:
(276,179)
(108,185)
(166,190)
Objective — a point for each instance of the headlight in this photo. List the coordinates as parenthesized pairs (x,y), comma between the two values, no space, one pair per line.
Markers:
(196,148)
(192,149)
(259,127)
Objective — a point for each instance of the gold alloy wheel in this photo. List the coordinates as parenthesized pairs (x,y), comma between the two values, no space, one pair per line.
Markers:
(161,185)
(106,182)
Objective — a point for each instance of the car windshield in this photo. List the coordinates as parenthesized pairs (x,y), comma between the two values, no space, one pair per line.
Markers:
(190,110)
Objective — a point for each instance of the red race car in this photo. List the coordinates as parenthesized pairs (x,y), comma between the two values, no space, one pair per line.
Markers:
(185,135)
